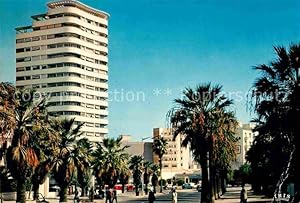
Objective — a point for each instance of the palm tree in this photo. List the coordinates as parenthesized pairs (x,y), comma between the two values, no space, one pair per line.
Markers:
(46,146)
(196,117)
(276,101)
(147,174)
(22,157)
(136,165)
(83,158)
(160,148)
(110,160)
(154,179)
(124,173)
(65,169)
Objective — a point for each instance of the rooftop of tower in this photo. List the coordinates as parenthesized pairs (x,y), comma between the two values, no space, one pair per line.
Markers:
(75,3)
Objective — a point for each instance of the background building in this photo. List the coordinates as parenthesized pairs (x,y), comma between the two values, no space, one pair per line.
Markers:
(64,54)
(178,161)
(246,136)
(138,148)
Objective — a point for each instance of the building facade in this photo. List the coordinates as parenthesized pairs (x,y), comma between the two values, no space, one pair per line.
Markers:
(178,160)
(245,136)
(63,54)
(143,149)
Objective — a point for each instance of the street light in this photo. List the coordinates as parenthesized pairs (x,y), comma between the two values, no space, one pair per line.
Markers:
(144,138)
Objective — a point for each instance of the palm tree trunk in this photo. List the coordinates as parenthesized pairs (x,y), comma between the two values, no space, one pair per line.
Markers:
(212,182)
(160,166)
(205,180)
(63,193)
(137,193)
(223,181)
(21,190)
(123,187)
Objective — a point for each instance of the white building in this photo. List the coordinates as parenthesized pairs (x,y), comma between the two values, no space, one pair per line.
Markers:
(178,160)
(64,54)
(245,136)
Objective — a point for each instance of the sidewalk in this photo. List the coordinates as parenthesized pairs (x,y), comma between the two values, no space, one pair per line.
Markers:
(233,196)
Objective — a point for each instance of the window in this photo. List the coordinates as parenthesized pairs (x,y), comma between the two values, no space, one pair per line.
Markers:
(37,38)
(27,48)
(19,41)
(35,48)
(50,36)
(20,50)
(20,78)
(35,67)
(43,37)
(27,40)
(20,69)
(36,77)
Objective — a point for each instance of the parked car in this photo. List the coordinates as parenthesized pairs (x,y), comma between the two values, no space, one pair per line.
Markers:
(187,186)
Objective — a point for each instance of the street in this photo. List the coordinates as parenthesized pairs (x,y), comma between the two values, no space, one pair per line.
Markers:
(190,195)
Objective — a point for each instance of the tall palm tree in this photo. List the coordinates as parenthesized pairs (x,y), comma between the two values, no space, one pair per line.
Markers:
(65,168)
(110,159)
(46,145)
(195,116)
(276,100)
(147,174)
(160,148)
(136,165)
(83,159)
(155,174)
(22,157)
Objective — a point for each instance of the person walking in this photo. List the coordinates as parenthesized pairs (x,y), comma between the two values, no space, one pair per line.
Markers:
(108,194)
(151,196)
(174,196)
(243,195)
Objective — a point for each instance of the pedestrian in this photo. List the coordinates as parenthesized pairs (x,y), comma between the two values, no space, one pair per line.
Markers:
(91,193)
(114,196)
(108,196)
(76,196)
(151,196)
(243,195)
(174,196)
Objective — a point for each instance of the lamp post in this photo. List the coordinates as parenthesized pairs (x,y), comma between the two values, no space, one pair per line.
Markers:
(143,147)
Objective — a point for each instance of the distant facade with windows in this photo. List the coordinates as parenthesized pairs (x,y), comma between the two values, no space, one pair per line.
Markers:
(245,136)
(178,161)
(64,54)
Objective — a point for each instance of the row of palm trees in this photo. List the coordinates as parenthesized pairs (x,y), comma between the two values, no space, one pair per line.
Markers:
(42,145)
(275,99)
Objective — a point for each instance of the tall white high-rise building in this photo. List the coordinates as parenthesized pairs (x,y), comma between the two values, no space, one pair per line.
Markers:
(64,54)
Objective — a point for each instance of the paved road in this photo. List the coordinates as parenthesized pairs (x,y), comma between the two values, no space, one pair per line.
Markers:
(183,196)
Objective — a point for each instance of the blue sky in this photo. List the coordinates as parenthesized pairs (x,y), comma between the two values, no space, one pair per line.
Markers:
(159,47)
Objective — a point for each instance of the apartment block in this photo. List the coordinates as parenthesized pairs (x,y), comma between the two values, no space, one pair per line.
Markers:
(178,160)
(245,136)
(64,54)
